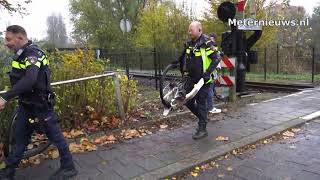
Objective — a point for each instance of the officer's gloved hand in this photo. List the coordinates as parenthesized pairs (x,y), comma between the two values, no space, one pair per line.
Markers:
(206,77)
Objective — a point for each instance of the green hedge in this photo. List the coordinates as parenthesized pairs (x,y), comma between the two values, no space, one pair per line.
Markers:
(78,104)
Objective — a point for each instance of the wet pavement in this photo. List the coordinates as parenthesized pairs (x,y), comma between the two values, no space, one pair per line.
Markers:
(288,159)
(165,152)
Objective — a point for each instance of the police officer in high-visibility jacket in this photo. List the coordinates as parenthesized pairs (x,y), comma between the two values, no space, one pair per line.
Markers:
(198,60)
(30,80)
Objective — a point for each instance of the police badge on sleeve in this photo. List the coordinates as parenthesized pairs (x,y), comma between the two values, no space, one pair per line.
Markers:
(32,59)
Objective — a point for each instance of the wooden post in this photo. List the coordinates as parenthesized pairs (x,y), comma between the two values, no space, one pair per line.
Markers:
(233,89)
(119,98)
(265,64)
(313,65)
(278,63)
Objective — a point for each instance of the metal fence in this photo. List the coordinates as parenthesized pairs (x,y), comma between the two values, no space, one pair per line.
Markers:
(291,64)
(286,63)
(100,92)
(149,61)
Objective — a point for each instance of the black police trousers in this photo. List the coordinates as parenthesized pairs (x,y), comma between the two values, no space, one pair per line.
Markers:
(24,129)
(198,105)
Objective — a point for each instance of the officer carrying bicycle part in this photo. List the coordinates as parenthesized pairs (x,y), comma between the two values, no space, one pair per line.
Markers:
(198,60)
(30,81)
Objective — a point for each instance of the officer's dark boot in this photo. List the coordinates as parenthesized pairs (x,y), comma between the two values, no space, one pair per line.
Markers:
(64,173)
(7,173)
(201,133)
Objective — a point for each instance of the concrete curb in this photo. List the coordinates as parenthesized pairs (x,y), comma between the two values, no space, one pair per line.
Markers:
(188,164)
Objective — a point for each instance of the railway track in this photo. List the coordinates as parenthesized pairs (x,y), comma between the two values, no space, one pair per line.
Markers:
(274,87)
(278,87)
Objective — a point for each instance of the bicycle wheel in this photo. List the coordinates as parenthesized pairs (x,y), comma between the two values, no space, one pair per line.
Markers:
(39,142)
(170,81)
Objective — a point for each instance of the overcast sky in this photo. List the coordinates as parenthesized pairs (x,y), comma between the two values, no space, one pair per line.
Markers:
(39,10)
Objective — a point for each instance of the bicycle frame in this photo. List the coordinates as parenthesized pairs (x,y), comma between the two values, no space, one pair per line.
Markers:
(176,102)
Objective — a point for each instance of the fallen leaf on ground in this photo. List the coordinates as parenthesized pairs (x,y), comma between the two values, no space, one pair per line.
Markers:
(105,140)
(292,147)
(66,135)
(98,140)
(206,166)
(90,147)
(92,128)
(75,148)
(220,175)
(212,163)
(295,130)
(220,158)
(24,161)
(35,160)
(53,154)
(85,145)
(84,141)
(76,133)
(221,138)
(111,138)
(288,134)
(30,146)
(163,126)
(90,109)
(111,123)
(194,174)
(234,152)
(95,122)
(104,162)
(229,168)
(130,133)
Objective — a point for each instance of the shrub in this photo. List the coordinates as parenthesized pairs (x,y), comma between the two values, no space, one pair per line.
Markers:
(78,104)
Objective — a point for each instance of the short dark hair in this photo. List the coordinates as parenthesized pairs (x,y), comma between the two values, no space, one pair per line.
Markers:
(213,35)
(16,29)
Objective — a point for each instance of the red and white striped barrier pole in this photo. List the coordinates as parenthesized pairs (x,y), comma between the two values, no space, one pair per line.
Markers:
(240,8)
(228,76)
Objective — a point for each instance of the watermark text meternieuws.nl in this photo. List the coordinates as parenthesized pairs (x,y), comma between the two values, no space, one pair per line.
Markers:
(255,22)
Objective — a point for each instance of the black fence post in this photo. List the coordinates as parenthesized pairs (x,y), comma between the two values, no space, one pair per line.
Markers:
(313,64)
(265,63)
(155,67)
(123,61)
(159,65)
(278,65)
(127,64)
(140,59)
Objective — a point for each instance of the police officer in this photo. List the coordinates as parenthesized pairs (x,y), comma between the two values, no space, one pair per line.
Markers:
(198,60)
(30,80)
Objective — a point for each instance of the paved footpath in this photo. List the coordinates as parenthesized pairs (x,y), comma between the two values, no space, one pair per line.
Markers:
(291,159)
(167,152)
